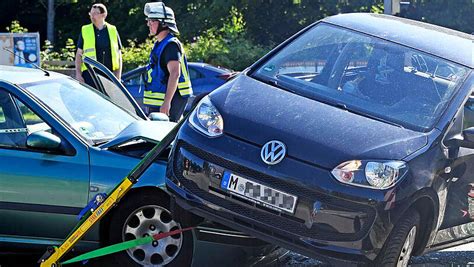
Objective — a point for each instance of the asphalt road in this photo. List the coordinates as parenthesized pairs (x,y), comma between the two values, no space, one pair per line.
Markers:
(457,256)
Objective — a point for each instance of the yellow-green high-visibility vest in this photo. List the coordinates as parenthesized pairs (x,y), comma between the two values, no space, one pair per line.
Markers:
(88,47)
(156,82)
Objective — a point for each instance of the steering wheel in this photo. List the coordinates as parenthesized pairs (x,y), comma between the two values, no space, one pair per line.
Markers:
(419,63)
(337,70)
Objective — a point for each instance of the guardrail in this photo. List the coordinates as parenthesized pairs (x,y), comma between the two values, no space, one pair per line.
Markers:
(60,63)
(62,66)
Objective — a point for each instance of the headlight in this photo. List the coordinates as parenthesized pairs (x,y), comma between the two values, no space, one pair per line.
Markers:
(373,174)
(207,119)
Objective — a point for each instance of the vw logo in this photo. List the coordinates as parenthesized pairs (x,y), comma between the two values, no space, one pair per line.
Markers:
(273,152)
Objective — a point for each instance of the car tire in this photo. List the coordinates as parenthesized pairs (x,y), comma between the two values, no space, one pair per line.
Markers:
(399,245)
(143,214)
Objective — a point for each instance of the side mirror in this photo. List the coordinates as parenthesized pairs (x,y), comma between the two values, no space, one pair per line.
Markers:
(468,135)
(466,139)
(158,116)
(43,140)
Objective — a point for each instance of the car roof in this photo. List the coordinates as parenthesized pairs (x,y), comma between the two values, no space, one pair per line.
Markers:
(442,42)
(20,75)
(209,67)
(197,64)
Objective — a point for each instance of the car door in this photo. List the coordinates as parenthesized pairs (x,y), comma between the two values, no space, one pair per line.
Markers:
(134,81)
(205,79)
(41,192)
(199,82)
(458,220)
(106,83)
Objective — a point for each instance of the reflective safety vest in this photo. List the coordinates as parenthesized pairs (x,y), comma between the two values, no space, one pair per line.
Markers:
(88,37)
(156,82)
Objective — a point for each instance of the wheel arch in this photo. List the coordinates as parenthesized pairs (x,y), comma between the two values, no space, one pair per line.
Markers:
(105,223)
(427,206)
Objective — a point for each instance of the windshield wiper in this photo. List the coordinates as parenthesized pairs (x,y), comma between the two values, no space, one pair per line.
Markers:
(278,83)
(273,82)
(99,142)
(344,107)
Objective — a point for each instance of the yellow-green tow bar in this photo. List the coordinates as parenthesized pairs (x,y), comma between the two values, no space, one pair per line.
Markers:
(53,255)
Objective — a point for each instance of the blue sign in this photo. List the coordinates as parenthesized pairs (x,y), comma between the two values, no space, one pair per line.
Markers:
(20,49)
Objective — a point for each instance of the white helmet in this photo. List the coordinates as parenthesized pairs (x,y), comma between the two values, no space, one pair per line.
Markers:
(158,11)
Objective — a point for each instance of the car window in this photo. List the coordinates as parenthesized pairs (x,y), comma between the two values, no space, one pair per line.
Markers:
(134,80)
(194,74)
(116,95)
(218,70)
(106,83)
(87,111)
(12,129)
(32,121)
(366,75)
(2,115)
(468,119)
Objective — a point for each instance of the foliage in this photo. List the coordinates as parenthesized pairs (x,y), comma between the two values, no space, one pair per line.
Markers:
(69,51)
(136,54)
(66,53)
(15,27)
(452,14)
(207,31)
(227,46)
(267,21)
(273,21)
(47,54)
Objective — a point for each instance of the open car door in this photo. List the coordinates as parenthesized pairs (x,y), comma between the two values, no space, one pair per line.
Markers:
(106,83)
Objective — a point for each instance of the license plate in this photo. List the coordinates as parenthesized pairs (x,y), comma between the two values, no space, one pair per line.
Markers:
(258,193)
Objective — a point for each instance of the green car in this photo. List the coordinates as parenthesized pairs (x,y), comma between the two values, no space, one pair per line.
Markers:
(62,143)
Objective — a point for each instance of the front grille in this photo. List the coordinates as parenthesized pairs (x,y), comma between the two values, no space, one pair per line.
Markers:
(290,188)
(258,216)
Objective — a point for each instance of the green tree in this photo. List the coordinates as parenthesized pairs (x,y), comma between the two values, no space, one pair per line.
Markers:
(135,55)
(15,27)
(452,14)
(207,32)
(273,21)
(227,46)
(51,6)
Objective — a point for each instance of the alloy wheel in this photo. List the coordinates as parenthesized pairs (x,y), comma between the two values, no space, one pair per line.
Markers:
(407,248)
(147,221)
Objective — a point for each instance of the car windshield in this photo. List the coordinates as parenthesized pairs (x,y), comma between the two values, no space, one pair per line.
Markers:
(365,75)
(92,115)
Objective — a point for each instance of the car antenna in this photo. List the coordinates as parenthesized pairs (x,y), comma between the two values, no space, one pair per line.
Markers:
(46,73)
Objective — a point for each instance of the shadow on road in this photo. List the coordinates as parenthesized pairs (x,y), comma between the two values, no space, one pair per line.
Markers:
(436,259)
(30,259)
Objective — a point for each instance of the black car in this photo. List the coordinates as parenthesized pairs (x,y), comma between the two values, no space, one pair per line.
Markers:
(352,141)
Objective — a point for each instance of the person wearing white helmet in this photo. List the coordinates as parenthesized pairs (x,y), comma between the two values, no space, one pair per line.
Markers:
(168,68)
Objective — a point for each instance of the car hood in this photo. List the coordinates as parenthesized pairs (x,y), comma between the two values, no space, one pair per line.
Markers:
(312,131)
(153,131)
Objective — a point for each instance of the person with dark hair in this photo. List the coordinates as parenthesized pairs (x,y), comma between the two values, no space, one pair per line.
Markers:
(19,53)
(168,85)
(100,41)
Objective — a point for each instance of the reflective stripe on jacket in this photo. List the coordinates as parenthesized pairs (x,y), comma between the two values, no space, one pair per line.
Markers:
(88,37)
(156,82)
